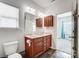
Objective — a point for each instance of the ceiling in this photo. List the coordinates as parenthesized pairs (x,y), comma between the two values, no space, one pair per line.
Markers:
(43,3)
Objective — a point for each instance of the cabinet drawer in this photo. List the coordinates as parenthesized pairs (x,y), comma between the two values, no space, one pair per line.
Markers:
(38,40)
(38,44)
(45,38)
(44,41)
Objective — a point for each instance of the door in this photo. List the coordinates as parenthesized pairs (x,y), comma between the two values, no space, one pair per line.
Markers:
(65,28)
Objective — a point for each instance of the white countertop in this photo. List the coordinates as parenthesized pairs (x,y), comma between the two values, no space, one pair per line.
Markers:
(36,35)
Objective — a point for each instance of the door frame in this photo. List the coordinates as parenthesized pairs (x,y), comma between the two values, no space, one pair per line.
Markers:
(75,15)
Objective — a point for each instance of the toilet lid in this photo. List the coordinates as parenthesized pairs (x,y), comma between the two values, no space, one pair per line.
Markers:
(16,55)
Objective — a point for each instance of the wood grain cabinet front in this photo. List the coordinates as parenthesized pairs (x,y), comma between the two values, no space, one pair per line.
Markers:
(39,22)
(37,46)
(48,41)
(48,21)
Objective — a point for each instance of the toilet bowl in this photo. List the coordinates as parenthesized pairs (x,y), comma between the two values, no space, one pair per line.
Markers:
(10,49)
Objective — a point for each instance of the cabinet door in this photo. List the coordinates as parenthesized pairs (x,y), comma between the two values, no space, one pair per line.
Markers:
(48,41)
(50,20)
(39,22)
(46,22)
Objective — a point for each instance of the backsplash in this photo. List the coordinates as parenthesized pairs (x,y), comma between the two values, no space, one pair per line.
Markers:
(50,30)
(45,30)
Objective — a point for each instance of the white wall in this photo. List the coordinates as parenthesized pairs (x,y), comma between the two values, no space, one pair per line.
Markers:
(58,7)
(16,34)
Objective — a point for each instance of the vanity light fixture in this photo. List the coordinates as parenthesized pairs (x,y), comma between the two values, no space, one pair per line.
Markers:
(30,10)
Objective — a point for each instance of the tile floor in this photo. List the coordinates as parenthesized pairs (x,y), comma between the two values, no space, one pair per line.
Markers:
(51,54)
(54,54)
(64,45)
(59,54)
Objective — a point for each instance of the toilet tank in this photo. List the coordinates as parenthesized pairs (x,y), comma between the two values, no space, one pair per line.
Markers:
(10,47)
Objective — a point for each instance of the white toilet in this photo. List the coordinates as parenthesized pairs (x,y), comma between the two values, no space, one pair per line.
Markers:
(10,49)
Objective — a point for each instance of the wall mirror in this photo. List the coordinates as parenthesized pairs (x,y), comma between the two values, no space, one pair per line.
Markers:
(29,23)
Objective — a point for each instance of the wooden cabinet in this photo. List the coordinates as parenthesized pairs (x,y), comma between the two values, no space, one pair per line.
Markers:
(36,46)
(39,22)
(48,21)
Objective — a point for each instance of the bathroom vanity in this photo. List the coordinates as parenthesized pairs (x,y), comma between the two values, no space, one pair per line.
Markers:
(36,45)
